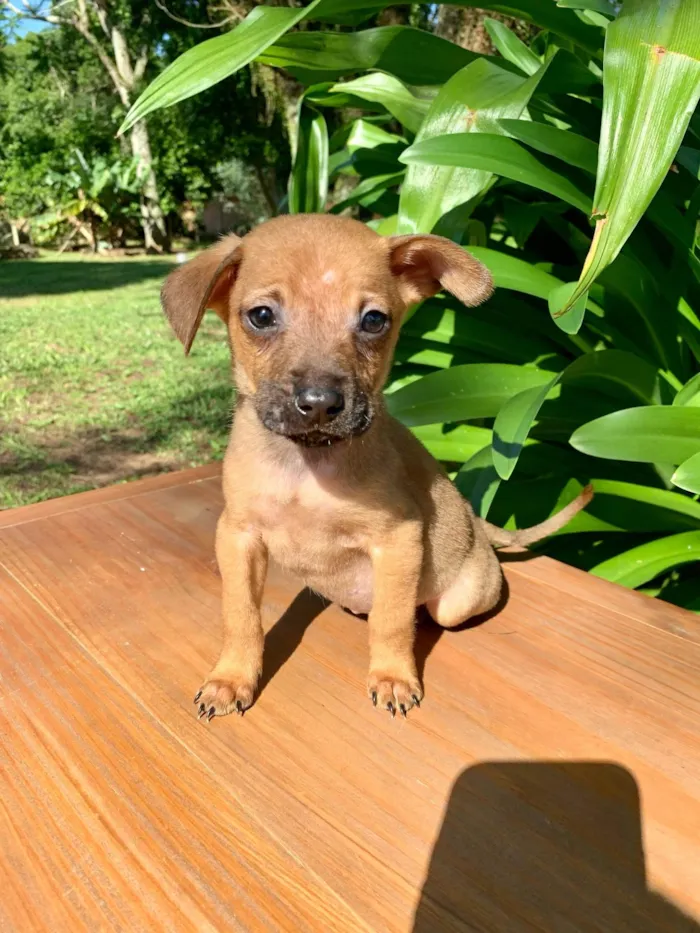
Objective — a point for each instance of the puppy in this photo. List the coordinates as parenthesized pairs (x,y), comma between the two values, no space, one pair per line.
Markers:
(317,474)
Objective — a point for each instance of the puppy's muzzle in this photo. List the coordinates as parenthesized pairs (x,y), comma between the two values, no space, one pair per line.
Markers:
(318,404)
(314,414)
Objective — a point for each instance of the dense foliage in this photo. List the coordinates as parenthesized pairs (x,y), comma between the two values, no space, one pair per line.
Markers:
(550,158)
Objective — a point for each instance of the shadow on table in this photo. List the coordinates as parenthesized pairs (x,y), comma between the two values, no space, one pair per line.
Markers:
(543,847)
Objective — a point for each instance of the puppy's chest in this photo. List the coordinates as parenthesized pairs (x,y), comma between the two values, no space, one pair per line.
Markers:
(306,523)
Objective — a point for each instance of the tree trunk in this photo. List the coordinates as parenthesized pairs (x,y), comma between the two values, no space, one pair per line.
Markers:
(465,27)
(152,220)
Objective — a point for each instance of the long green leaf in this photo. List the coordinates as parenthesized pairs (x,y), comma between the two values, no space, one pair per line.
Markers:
(367,191)
(606,371)
(520,276)
(513,423)
(599,6)
(651,434)
(488,152)
(478,481)
(409,106)
(511,48)
(543,13)
(616,373)
(308,182)
(473,100)
(651,88)
(454,444)
(562,144)
(475,390)
(414,56)
(632,507)
(690,393)
(643,563)
(215,59)
(687,476)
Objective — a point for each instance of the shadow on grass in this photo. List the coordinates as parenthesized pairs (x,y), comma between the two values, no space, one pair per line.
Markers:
(52,462)
(23,277)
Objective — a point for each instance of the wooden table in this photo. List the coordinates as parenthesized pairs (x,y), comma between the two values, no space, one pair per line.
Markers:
(550,782)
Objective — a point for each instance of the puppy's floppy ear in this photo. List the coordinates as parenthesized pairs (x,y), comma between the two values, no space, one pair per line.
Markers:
(204,282)
(424,263)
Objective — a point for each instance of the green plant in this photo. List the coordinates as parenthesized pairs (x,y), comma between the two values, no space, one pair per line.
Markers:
(91,195)
(571,168)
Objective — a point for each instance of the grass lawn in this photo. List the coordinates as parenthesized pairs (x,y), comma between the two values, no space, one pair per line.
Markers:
(94,389)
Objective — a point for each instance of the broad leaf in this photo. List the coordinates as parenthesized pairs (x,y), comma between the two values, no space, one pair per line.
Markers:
(516,274)
(473,391)
(414,56)
(408,105)
(215,59)
(308,182)
(606,371)
(478,481)
(598,6)
(511,48)
(562,144)
(651,88)
(491,153)
(643,563)
(687,476)
(544,13)
(513,423)
(652,434)
(453,444)
(473,100)
(690,393)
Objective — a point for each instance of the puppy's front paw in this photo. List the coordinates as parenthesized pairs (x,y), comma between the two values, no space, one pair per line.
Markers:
(394,691)
(219,696)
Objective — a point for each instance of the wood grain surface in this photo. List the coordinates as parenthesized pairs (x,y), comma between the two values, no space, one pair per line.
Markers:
(550,782)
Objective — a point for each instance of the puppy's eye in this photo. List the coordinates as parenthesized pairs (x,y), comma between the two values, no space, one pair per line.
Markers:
(374,322)
(261,318)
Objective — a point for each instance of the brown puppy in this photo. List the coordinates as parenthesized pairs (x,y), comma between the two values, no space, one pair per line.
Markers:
(317,475)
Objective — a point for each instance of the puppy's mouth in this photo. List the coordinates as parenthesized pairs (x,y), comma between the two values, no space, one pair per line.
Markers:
(323,439)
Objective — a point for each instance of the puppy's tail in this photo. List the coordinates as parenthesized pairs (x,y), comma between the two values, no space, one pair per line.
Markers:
(499,537)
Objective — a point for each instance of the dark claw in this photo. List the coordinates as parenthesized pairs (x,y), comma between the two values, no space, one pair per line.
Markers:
(202,710)
(416,700)
(374,697)
(197,697)
(403,710)
(390,707)
(239,708)
(211,714)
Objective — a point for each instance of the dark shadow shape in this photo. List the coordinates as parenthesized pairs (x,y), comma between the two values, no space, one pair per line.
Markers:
(21,278)
(286,634)
(543,847)
(515,557)
(428,634)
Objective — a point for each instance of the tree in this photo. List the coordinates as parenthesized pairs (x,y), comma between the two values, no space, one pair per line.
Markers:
(57,97)
(120,37)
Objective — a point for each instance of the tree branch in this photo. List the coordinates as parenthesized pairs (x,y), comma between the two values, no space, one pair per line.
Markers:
(29,12)
(141,63)
(102,17)
(186,22)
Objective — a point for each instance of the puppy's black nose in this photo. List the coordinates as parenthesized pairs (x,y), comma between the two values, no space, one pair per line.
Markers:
(319,405)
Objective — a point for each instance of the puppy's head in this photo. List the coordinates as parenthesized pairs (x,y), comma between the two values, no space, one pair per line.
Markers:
(313,305)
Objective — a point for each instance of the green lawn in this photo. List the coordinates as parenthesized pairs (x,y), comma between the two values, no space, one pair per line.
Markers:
(94,389)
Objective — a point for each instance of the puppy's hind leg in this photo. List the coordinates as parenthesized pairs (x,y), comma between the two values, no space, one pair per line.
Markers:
(476,590)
